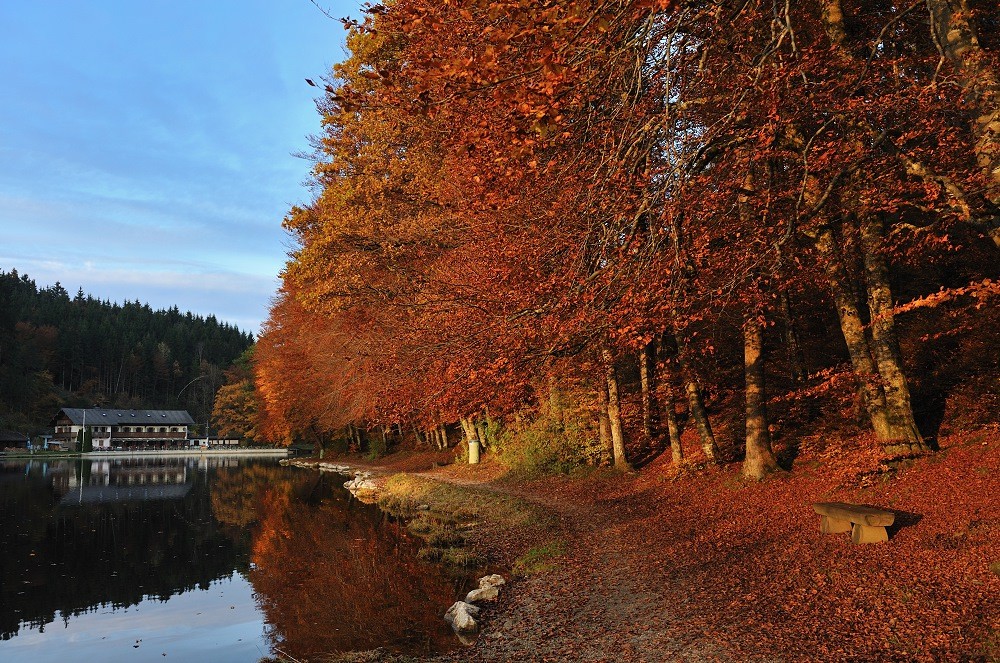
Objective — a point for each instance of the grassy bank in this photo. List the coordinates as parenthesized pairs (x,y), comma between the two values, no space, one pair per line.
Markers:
(464,524)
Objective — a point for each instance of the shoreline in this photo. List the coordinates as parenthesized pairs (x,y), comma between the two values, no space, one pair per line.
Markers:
(672,564)
(146,454)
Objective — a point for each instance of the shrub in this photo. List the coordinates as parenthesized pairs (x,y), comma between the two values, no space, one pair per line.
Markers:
(546,447)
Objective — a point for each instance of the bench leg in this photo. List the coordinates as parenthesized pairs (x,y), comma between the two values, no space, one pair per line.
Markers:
(828,525)
(868,534)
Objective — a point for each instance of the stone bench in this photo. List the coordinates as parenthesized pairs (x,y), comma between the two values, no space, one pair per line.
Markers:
(865,523)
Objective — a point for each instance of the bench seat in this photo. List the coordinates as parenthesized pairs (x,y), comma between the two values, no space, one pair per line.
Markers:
(865,523)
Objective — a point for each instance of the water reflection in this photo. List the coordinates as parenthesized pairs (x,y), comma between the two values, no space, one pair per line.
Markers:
(86,543)
(343,567)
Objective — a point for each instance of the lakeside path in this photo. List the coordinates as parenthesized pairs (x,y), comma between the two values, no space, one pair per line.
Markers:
(660,566)
(605,598)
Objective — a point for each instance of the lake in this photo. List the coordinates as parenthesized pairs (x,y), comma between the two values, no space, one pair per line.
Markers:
(222,559)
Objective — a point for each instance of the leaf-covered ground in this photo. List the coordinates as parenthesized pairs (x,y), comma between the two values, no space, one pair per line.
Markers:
(701,565)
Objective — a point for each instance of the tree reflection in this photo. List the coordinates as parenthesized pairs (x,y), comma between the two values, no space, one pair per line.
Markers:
(330,574)
(339,576)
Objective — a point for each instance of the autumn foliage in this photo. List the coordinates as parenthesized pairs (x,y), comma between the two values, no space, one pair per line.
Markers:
(755,220)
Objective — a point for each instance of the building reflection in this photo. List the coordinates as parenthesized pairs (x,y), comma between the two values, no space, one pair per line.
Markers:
(80,536)
(132,479)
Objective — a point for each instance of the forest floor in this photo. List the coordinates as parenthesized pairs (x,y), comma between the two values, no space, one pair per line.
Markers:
(698,564)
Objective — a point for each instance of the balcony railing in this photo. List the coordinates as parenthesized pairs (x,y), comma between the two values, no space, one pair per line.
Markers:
(124,435)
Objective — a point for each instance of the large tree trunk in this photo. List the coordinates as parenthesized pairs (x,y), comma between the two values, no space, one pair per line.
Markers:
(833,24)
(869,381)
(905,436)
(614,412)
(759,460)
(603,423)
(650,408)
(696,404)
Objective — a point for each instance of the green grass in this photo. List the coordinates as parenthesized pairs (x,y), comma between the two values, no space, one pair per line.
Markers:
(540,559)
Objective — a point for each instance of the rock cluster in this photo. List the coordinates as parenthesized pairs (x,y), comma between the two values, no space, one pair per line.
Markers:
(462,614)
(489,589)
(361,485)
(361,481)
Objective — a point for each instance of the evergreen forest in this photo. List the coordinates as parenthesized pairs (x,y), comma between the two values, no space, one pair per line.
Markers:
(80,351)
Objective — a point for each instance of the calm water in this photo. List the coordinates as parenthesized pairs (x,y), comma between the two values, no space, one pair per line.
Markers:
(224,559)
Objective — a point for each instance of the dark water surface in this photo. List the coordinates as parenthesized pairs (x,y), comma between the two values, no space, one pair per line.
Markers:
(220,559)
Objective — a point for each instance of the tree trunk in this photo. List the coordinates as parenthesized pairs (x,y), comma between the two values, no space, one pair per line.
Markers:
(833,23)
(673,428)
(759,460)
(603,423)
(444,436)
(696,404)
(796,360)
(905,436)
(420,439)
(469,429)
(472,438)
(869,381)
(650,409)
(614,413)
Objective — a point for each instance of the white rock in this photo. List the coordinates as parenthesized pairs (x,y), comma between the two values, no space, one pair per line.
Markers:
(360,483)
(461,616)
(494,580)
(488,593)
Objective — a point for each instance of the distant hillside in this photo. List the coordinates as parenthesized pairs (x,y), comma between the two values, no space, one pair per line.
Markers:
(57,350)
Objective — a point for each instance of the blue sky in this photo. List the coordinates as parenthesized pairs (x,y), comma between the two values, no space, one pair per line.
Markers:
(147,148)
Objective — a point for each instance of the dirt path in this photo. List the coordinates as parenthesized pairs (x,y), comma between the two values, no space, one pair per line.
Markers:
(604,601)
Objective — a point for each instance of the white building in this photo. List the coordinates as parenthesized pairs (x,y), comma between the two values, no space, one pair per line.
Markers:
(113,428)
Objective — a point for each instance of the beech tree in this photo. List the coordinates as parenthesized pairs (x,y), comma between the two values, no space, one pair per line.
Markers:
(512,197)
